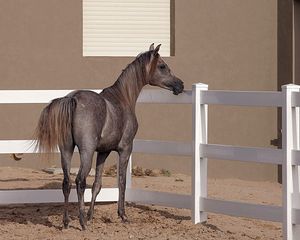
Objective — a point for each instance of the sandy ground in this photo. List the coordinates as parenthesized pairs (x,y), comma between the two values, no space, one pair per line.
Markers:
(146,222)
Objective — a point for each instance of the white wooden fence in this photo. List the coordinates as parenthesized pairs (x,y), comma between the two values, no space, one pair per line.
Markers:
(199,203)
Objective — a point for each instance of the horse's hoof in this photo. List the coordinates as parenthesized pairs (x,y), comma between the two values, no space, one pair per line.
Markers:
(66,225)
(125,219)
(83,225)
(82,220)
(66,222)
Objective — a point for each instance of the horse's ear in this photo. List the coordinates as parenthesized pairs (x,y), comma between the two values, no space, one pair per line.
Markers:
(154,56)
(151,48)
(157,49)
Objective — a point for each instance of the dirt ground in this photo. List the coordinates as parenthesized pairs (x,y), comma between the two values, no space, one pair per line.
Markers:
(44,221)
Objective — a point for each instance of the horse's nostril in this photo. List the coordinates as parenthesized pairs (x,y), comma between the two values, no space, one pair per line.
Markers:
(178,87)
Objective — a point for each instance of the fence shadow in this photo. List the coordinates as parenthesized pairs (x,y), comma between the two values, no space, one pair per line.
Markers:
(163,213)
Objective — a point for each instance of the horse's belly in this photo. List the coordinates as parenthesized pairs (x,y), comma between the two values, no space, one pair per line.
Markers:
(110,137)
(107,144)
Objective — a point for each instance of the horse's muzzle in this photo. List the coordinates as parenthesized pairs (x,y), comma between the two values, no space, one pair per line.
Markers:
(177,86)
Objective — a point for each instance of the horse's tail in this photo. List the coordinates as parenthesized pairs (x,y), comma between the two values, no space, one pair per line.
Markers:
(55,124)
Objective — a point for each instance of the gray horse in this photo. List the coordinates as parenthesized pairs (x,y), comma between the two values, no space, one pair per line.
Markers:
(103,123)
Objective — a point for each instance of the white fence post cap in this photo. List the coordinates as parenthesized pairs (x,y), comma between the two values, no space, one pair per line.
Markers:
(290,86)
(200,85)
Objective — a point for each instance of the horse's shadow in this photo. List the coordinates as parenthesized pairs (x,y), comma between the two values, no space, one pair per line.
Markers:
(43,214)
(50,215)
(46,214)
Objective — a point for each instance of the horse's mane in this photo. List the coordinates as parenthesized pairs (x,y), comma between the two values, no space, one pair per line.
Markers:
(130,82)
(137,66)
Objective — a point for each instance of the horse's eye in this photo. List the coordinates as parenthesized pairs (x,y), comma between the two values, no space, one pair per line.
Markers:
(162,66)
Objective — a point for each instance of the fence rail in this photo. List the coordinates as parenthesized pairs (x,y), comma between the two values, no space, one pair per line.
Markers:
(45,96)
(199,149)
(139,146)
(242,98)
(240,209)
(249,154)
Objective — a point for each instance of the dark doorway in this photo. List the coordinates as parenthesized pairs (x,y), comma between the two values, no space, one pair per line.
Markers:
(288,54)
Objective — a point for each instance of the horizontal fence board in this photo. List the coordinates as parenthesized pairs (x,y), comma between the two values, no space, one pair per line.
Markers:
(295,199)
(106,195)
(159,198)
(224,152)
(296,99)
(239,209)
(32,96)
(162,147)
(17,146)
(296,216)
(296,157)
(53,196)
(45,96)
(164,96)
(251,154)
(140,146)
(242,98)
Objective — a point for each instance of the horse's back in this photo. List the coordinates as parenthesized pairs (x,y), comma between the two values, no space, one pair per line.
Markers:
(88,104)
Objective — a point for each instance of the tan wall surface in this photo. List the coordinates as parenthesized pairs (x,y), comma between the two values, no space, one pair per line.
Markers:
(227,44)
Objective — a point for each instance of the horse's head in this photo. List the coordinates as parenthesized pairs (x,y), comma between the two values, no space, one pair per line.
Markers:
(161,75)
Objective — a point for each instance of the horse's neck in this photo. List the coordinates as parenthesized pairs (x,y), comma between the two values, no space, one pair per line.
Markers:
(127,88)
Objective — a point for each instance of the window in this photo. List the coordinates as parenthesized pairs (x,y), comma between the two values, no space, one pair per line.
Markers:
(126,27)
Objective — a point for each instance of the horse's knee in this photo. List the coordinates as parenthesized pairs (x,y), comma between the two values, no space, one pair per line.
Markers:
(97,186)
(80,183)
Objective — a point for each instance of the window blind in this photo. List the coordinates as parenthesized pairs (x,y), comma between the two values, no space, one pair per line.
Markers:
(125,28)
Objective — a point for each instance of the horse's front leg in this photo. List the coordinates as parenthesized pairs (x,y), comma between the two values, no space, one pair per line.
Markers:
(123,162)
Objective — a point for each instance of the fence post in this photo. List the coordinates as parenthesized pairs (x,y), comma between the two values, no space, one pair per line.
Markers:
(296,169)
(199,166)
(289,142)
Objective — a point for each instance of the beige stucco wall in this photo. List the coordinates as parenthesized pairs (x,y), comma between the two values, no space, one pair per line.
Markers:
(227,44)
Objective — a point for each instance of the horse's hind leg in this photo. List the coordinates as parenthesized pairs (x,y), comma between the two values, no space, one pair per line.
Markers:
(101,157)
(66,156)
(86,158)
